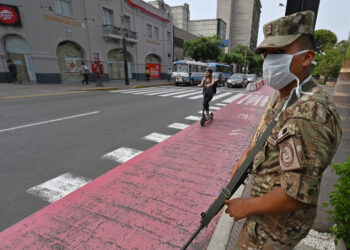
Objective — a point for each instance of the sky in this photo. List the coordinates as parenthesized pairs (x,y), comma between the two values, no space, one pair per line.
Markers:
(333,15)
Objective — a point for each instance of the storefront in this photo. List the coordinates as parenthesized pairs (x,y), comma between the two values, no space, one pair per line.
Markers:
(116,64)
(153,63)
(70,56)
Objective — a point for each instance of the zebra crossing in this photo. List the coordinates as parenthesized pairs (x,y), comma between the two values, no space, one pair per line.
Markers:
(222,96)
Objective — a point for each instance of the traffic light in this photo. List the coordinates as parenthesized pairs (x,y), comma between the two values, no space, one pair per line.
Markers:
(294,6)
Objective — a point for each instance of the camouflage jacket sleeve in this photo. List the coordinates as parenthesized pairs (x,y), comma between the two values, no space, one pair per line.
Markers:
(306,148)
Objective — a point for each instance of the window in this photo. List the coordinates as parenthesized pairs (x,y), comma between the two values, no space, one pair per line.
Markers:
(126,20)
(63,7)
(168,36)
(149,31)
(107,16)
(156,33)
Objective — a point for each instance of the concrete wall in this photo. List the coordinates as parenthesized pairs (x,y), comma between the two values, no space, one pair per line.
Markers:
(181,16)
(242,18)
(43,30)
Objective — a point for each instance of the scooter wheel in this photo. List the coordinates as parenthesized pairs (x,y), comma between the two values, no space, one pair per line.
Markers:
(211,116)
(202,122)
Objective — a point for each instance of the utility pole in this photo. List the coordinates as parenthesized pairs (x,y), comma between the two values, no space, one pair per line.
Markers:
(125,58)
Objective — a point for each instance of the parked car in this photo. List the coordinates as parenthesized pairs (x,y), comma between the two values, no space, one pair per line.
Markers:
(237,80)
(220,78)
(251,77)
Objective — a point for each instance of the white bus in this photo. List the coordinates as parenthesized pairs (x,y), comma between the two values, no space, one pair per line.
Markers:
(188,72)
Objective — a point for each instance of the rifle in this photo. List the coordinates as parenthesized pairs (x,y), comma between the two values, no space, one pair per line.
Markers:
(245,168)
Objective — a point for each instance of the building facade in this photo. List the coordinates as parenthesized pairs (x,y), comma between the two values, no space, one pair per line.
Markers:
(54,37)
(242,18)
(180,37)
(208,27)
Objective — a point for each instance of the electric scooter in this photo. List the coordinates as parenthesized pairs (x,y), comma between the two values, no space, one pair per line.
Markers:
(205,119)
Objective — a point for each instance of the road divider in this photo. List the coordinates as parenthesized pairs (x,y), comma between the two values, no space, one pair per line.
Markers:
(253,86)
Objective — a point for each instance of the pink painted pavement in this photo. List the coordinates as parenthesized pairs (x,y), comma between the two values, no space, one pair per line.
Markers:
(154,200)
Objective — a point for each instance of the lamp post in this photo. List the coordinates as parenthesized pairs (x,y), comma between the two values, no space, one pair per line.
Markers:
(125,56)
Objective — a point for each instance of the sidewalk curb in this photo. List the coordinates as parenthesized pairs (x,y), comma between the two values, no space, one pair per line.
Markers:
(152,85)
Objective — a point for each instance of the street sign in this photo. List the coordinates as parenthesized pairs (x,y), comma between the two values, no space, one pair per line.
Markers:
(225,42)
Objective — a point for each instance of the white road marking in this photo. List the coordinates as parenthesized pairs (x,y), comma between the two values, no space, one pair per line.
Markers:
(243,99)
(187,94)
(50,121)
(251,100)
(264,101)
(193,118)
(133,90)
(122,155)
(216,97)
(161,92)
(234,98)
(258,100)
(210,109)
(236,131)
(221,104)
(156,137)
(58,187)
(179,125)
(177,93)
(140,92)
(196,97)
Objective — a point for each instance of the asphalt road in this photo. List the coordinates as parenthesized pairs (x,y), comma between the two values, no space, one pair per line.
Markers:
(47,136)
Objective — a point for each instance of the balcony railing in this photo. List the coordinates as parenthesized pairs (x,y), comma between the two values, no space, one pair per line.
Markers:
(113,30)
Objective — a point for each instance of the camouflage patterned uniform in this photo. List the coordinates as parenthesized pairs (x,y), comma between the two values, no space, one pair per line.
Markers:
(301,146)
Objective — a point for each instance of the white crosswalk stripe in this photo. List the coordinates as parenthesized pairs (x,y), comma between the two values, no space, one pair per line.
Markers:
(221,104)
(264,101)
(187,94)
(122,155)
(217,97)
(156,137)
(160,92)
(193,118)
(58,187)
(234,98)
(177,93)
(178,126)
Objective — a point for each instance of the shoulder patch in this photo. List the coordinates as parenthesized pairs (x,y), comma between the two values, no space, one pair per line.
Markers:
(288,155)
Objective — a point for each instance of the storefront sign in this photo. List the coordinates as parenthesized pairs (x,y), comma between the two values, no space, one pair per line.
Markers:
(9,15)
(154,70)
(63,20)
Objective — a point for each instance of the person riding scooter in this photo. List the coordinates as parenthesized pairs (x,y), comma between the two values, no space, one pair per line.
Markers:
(208,92)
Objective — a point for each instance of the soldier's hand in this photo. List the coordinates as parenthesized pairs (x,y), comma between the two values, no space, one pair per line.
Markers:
(236,208)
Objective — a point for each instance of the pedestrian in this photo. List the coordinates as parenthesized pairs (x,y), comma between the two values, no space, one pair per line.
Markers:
(287,170)
(12,68)
(85,72)
(169,74)
(147,73)
(207,82)
(98,70)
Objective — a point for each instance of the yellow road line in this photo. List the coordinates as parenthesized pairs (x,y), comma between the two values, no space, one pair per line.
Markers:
(38,95)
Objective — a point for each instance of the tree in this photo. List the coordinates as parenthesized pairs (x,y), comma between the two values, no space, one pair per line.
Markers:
(243,56)
(204,48)
(324,39)
(328,63)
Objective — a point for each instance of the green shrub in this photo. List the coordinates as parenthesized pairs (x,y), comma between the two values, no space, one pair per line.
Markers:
(340,203)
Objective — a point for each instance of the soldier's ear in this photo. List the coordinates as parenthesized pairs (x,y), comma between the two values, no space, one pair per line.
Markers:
(308,57)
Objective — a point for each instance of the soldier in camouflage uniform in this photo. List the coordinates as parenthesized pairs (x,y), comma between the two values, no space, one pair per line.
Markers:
(287,171)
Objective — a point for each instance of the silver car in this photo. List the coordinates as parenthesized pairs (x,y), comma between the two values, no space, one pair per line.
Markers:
(251,77)
(220,78)
(237,80)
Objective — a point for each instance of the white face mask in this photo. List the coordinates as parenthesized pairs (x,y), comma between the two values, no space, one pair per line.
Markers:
(276,69)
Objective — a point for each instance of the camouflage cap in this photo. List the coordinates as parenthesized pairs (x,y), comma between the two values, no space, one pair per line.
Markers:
(285,30)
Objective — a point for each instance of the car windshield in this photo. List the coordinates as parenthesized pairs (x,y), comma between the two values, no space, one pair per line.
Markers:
(251,76)
(237,76)
(181,68)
